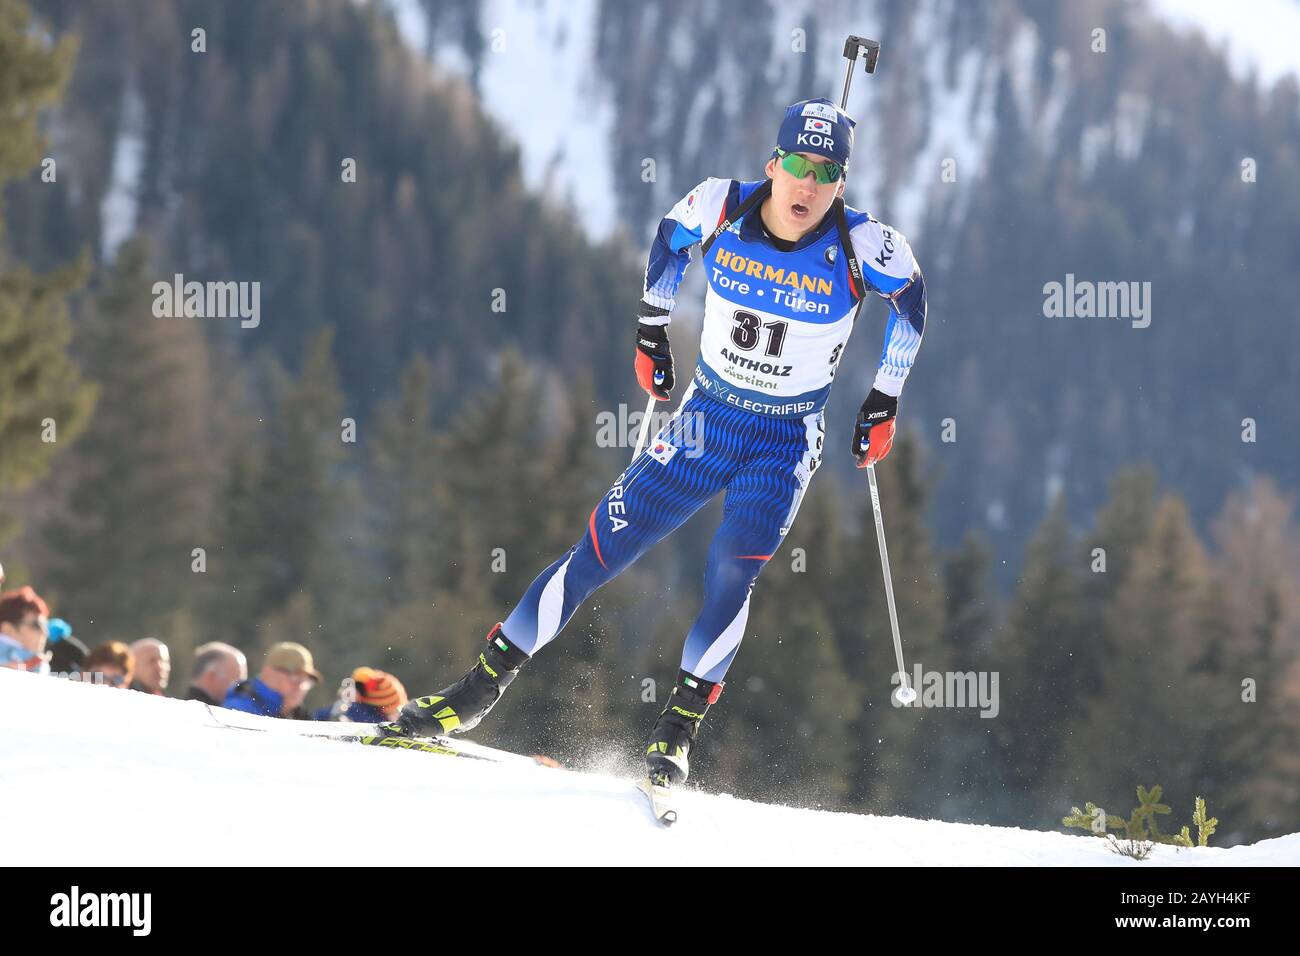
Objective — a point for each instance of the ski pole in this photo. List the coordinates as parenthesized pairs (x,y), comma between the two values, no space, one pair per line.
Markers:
(905,693)
(645,426)
(854,45)
(645,419)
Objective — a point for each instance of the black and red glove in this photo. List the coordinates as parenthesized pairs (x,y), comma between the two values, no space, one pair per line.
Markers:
(873,434)
(654,360)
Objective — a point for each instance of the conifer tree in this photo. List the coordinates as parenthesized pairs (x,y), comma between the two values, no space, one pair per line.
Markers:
(1255,672)
(123,548)
(44,401)
(1154,718)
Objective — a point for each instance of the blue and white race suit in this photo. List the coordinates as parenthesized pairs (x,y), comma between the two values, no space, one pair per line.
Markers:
(751,421)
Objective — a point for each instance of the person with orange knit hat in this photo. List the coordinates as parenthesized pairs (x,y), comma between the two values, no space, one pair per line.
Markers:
(370,697)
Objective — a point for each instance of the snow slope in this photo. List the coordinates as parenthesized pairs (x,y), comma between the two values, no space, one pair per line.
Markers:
(222,796)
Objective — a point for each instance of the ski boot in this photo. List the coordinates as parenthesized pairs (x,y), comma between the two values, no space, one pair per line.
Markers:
(670,741)
(460,707)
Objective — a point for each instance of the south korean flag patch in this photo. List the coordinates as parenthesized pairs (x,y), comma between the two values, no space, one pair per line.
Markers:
(662,452)
(817,126)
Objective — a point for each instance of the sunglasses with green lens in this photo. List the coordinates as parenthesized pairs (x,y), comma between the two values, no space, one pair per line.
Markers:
(797,166)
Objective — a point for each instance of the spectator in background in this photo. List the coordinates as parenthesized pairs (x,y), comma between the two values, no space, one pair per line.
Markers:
(153,666)
(113,662)
(217,668)
(279,690)
(372,696)
(67,654)
(24,626)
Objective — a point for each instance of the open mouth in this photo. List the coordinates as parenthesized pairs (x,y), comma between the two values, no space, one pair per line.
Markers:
(798,210)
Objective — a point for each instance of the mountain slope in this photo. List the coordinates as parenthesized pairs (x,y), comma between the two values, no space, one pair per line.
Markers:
(232,791)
